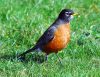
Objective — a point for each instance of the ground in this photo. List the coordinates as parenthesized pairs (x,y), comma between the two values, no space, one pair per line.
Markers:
(22,22)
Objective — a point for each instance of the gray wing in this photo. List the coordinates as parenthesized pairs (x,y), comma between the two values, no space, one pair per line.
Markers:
(47,36)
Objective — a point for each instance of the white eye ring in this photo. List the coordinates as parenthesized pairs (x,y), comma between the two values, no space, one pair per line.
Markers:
(66,12)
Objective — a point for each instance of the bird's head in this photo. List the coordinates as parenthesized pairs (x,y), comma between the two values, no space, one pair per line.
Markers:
(66,14)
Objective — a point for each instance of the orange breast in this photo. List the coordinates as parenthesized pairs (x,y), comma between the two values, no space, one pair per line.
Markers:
(60,40)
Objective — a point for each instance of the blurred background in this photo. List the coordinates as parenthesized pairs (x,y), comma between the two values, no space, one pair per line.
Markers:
(22,22)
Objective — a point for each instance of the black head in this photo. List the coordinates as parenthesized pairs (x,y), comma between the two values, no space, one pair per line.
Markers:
(66,15)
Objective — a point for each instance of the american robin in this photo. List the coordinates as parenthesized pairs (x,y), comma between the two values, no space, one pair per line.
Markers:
(56,37)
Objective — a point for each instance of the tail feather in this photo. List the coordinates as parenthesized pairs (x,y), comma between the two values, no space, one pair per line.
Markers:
(22,56)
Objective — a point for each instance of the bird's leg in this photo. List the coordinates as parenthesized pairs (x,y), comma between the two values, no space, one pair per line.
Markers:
(38,50)
(46,58)
(59,59)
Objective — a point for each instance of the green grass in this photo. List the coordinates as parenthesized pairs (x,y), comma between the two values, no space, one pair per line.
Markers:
(22,22)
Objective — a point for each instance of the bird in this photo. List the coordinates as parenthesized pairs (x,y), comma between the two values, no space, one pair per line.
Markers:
(56,37)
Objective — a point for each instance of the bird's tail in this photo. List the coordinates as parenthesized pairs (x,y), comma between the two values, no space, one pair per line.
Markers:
(22,56)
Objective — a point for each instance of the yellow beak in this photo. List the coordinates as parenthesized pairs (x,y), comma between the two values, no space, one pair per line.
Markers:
(75,14)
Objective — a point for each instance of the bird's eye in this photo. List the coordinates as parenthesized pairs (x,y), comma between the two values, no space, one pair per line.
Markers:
(66,12)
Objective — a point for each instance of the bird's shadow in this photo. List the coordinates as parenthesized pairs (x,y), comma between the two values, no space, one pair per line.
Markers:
(28,58)
(7,57)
